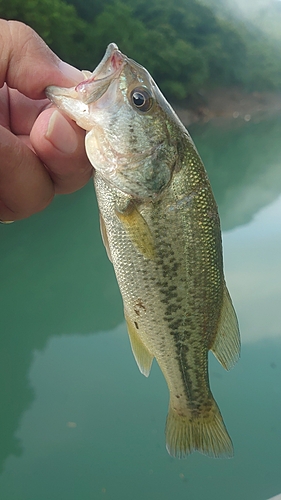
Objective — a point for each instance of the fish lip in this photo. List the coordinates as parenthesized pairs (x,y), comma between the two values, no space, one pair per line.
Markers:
(91,89)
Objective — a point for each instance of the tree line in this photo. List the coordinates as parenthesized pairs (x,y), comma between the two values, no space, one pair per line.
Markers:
(184,44)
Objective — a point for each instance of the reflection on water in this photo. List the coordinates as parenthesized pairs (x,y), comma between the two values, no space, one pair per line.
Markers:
(50,285)
(253,270)
(96,427)
(77,419)
(244,167)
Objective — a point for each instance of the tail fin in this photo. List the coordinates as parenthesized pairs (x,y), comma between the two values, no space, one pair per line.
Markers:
(207,435)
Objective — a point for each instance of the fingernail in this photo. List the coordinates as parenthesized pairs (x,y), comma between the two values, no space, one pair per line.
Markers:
(61,134)
(70,72)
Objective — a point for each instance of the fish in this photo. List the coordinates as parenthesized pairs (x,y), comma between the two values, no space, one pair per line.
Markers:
(161,230)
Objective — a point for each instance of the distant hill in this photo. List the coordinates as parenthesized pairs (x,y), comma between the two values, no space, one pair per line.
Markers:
(246,7)
(264,14)
(187,45)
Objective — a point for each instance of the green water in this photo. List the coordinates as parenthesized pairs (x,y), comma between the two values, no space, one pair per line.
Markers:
(77,419)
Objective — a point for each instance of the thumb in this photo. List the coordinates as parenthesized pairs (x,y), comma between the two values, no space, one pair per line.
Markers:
(60,145)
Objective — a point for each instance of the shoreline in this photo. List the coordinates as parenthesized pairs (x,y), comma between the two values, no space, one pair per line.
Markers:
(231,105)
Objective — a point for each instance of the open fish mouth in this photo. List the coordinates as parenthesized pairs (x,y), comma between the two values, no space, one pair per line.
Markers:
(112,60)
(109,68)
(96,83)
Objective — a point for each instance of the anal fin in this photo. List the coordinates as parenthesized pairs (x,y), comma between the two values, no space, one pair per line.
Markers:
(142,356)
(226,344)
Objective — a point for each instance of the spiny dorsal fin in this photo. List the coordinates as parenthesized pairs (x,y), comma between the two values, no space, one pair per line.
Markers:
(142,356)
(137,230)
(226,344)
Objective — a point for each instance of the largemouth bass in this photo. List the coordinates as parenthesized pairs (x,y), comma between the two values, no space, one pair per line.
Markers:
(161,229)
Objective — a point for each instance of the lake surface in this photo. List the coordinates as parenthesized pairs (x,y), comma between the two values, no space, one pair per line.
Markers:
(78,421)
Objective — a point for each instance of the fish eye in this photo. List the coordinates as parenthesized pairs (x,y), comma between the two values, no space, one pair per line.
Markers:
(141,99)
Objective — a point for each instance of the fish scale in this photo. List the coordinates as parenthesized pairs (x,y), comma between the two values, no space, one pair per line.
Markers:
(178,260)
(161,229)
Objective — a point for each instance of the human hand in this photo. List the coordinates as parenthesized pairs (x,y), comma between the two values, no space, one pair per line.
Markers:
(41,151)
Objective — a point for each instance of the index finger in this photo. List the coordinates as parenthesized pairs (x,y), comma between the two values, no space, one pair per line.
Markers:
(28,64)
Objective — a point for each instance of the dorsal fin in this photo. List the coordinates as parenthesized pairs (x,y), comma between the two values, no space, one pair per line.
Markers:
(226,344)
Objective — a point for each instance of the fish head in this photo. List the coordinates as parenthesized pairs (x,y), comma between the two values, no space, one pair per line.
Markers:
(130,137)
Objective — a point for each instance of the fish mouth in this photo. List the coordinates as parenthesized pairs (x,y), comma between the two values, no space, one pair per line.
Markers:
(112,60)
(96,84)
(109,68)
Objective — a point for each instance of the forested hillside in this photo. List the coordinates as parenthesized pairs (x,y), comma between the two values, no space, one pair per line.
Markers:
(186,45)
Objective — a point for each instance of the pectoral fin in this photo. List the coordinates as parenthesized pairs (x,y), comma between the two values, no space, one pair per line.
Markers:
(138,231)
(226,344)
(104,237)
(142,356)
